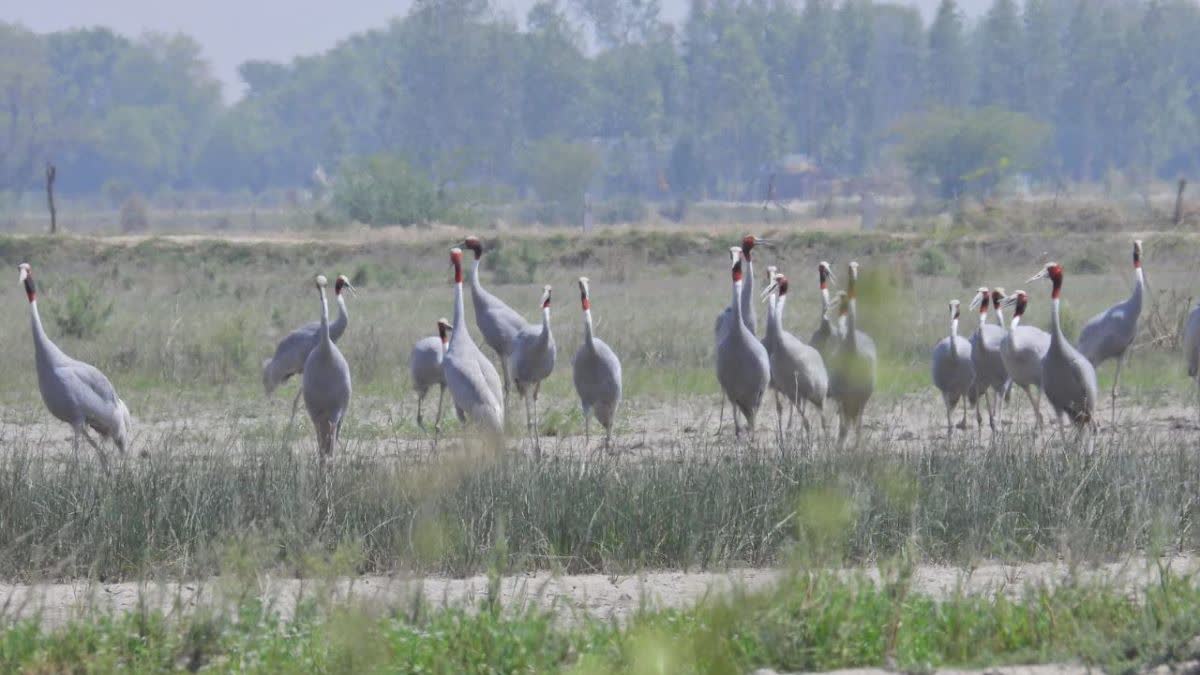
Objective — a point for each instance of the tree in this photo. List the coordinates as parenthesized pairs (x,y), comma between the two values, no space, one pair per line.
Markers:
(948,59)
(560,172)
(25,116)
(970,152)
(385,190)
(1043,61)
(1001,57)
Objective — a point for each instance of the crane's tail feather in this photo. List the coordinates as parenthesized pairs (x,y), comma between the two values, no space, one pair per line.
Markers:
(124,426)
(269,378)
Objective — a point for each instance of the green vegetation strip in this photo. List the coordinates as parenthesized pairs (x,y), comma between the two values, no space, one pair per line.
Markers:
(812,622)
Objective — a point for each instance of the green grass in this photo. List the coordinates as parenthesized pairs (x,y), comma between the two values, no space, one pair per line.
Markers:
(811,622)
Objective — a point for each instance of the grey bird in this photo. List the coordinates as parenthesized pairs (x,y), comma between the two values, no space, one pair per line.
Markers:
(1023,349)
(743,367)
(1191,351)
(425,367)
(471,378)
(824,338)
(325,383)
(596,371)
(797,370)
(498,323)
(1068,378)
(1109,334)
(292,351)
(953,369)
(852,367)
(533,357)
(990,375)
(73,391)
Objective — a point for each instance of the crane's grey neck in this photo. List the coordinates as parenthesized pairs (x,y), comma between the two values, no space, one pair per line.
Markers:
(475,284)
(324,335)
(544,338)
(747,295)
(774,305)
(999,314)
(460,327)
(824,300)
(1016,321)
(588,337)
(1056,334)
(43,348)
(1138,287)
(737,299)
(852,319)
(954,336)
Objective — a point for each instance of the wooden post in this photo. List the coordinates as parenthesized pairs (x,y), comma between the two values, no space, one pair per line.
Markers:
(1179,201)
(51,174)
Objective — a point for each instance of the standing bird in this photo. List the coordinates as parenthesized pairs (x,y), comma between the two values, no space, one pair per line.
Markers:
(1191,350)
(73,391)
(743,367)
(1109,334)
(473,382)
(498,323)
(533,359)
(325,382)
(990,374)
(425,366)
(293,349)
(1068,378)
(1023,349)
(953,369)
(797,370)
(852,371)
(824,338)
(597,374)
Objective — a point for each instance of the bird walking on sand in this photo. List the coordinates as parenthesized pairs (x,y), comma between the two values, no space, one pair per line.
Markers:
(533,357)
(1023,349)
(425,367)
(743,367)
(852,368)
(797,370)
(498,323)
(953,369)
(990,374)
(1109,334)
(293,349)
(474,384)
(326,383)
(73,391)
(1068,378)
(749,317)
(596,371)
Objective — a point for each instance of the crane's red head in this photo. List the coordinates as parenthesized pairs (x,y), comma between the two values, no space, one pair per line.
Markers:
(1137,253)
(545,297)
(981,299)
(825,272)
(456,261)
(1054,272)
(444,329)
(749,242)
(341,283)
(1021,303)
(27,280)
(472,242)
(997,297)
(735,256)
(783,284)
(584,300)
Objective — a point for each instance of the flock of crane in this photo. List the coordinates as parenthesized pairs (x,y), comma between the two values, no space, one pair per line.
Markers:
(838,363)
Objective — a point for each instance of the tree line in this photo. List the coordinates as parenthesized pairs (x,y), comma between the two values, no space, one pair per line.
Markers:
(1063,90)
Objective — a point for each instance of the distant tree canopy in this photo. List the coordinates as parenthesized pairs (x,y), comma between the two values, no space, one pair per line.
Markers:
(682,111)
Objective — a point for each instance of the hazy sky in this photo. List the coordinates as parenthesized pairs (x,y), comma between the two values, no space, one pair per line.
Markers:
(233,31)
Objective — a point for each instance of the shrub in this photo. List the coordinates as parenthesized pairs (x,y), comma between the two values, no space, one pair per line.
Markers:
(385,190)
(931,262)
(135,214)
(83,313)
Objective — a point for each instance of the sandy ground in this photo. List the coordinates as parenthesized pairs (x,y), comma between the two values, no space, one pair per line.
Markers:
(570,597)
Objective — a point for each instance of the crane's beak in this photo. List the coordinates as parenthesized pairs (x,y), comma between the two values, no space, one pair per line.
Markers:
(759,241)
(353,291)
(1039,275)
(976,301)
(829,276)
(766,292)
(1008,301)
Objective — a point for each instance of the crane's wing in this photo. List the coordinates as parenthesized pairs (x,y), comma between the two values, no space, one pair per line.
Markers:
(97,398)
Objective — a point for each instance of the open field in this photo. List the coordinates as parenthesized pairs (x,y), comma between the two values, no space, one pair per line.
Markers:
(228,490)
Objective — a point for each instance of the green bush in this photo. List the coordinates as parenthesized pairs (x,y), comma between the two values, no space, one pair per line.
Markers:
(560,172)
(385,190)
(931,262)
(83,312)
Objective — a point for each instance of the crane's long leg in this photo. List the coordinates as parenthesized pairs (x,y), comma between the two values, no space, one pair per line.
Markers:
(504,377)
(295,405)
(420,403)
(1116,381)
(721,417)
(587,430)
(779,420)
(437,423)
(949,420)
(737,431)
(537,433)
(99,451)
(1037,409)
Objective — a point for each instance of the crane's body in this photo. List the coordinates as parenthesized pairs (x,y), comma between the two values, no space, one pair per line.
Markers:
(292,351)
(326,383)
(1023,349)
(425,368)
(1109,334)
(953,369)
(596,371)
(1068,379)
(743,367)
(533,358)
(75,392)
(1191,350)
(473,382)
(797,370)
(852,369)
(825,337)
(498,323)
(991,377)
